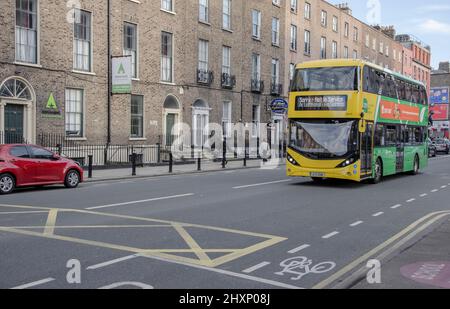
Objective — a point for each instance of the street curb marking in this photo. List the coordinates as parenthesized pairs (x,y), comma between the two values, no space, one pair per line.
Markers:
(33,284)
(414,229)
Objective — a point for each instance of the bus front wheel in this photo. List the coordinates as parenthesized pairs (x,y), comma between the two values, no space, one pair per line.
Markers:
(378,172)
(416,167)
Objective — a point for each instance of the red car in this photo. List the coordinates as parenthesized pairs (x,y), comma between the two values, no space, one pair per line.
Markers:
(29,165)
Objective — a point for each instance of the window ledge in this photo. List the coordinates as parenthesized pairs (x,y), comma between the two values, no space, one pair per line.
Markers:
(227,30)
(84,73)
(33,65)
(168,12)
(167,83)
(137,139)
(76,138)
(204,22)
(258,39)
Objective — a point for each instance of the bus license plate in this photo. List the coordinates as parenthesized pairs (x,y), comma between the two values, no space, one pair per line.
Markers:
(317,174)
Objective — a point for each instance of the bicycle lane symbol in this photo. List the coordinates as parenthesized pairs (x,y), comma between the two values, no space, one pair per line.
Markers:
(301,266)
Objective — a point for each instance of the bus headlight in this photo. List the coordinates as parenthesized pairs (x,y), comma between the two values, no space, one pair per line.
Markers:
(292,160)
(347,162)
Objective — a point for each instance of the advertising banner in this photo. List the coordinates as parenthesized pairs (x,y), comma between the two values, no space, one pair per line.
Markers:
(440,111)
(439,95)
(121,75)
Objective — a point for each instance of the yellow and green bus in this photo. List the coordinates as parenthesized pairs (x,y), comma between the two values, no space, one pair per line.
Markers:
(353,120)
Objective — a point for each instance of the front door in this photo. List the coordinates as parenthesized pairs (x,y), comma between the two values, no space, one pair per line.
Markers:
(14,124)
(170,123)
(366,151)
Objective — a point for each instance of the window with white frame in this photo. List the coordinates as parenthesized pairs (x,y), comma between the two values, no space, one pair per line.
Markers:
(256,67)
(355,34)
(166,57)
(294,6)
(323,48)
(137,116)
(293,45)
(26,31)
(203,14)
(387,51)
(374,44)
(307,10)
(74,109)
(291,71)
(226,15)
(335,24)
(275,31)
(323,18)
(130,46)
(346,30)
(275,72)
(167,5)
(256,120)
(355,54)
(367,40)
(226,118)
(346,54)
(381,47)
(256,24)
(203,51)
(334,50)
(82,45)
(307,48)
(226,60)
(276,2)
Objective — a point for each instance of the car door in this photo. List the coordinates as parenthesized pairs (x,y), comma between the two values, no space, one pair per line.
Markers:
(26,166)
(49,169)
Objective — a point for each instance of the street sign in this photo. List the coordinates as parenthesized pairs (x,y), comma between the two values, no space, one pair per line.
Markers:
(279,106)
(121,75)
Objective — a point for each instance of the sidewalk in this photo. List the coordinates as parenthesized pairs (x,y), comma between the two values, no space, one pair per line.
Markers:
(425,264)
(178,169)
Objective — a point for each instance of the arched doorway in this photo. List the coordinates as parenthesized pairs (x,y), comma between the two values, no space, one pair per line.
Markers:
(172,115)
(200,121)
(17,111)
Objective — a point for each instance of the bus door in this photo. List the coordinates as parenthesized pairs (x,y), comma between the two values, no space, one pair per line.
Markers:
(400,156)
(366,150)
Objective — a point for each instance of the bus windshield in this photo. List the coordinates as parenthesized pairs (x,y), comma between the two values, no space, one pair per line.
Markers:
(324,140)
(325,79)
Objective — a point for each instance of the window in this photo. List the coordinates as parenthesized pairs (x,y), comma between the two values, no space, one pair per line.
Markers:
(226,118)
(334,51)
(374,44)
(346,29)
(137,116)
(381,47)
(203,51)
(387,51)
(275,31)
(276,2)
(40,153)
(203,14)
(294,6)
(291,71)
(167,5)
(379,135)
(226,60)
(355,54)
(323,48)
(130,46)
(307,48)
(390,136)
(26,31)
(323,18)
(74,112)
(307,10)
(256,119)
(166,57)
(256,24)
(326,79)
(19,152)
(335,23)
(355,34)
(256,67)
(367,40)
(226,15)
(82,42)
(346,55)
(275,72)
(293,45)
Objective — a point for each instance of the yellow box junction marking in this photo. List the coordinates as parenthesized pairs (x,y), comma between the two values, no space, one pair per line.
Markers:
(50,232)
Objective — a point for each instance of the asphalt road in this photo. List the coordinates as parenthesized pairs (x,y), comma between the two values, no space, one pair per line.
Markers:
(244,229)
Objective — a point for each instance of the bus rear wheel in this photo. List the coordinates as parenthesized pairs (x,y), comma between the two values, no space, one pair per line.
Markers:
(378,172)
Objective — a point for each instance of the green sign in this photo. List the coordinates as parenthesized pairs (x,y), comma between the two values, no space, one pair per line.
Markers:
(121,75)
(51,109)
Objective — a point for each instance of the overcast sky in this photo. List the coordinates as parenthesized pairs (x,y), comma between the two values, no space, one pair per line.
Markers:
(427,20)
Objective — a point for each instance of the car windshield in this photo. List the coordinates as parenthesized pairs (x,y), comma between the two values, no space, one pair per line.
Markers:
(324,140)
(326,79)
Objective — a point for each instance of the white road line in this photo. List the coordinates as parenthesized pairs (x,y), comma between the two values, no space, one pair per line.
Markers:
(396,206)
(228,273)
(32,284)
(298,249)
(141,201)
(434,191)
(262,184)
(104,264)
(256,267)
(328,236)
(410,200)
(423,195)
(443,187)
(356,223)
(378,214)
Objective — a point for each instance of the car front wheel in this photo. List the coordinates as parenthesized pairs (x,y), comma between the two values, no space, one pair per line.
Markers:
(7,184)
(72,179)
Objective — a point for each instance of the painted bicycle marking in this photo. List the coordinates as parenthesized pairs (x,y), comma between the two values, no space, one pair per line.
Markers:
(301,266)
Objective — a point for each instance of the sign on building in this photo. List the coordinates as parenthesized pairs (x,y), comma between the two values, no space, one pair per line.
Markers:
(121,75)
(439,103)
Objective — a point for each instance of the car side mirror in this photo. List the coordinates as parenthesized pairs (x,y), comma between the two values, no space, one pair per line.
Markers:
(56,157)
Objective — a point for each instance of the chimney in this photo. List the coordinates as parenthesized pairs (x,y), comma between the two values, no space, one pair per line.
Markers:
(389,31)
(345,8)
(444,66)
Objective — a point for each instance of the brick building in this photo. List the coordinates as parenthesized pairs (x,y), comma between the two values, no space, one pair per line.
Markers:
(440,80)
(193,61)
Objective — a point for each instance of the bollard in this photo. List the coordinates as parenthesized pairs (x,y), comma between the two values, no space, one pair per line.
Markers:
(170,162)
(90,163)
(133,164)
(159,152)
(199,164)
(59,150)
(245,156)
(224,153)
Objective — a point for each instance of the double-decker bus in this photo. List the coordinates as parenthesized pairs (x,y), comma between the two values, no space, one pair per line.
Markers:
(353,120)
